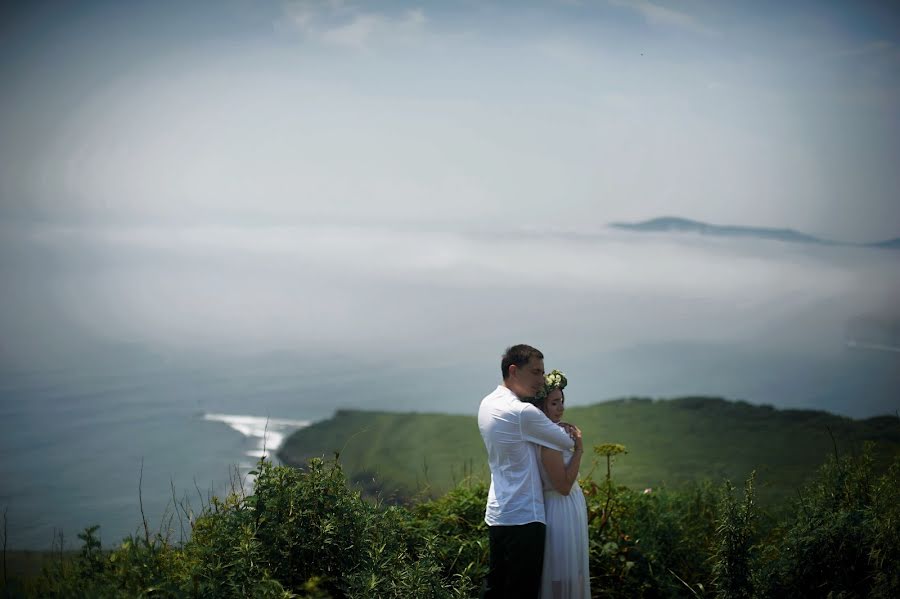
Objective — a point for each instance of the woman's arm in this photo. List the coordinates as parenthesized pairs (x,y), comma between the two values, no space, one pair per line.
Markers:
(562,477)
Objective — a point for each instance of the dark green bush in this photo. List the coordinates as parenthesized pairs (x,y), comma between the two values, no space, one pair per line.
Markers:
(303,526)
(308,534)
(653,544)
(455,524)
(842,536)
(733,553)
(301,534)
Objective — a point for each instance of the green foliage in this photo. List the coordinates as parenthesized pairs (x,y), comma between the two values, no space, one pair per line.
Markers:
(733,554)
(301,534)
(302,526)
(842,536)
(455,523)
(650,543)
(225,557)
(137,568)
(310,534)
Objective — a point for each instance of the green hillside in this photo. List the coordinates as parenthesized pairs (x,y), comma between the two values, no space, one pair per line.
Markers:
(670,443)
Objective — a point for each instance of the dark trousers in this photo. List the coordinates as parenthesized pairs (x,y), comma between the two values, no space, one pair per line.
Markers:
(516,561)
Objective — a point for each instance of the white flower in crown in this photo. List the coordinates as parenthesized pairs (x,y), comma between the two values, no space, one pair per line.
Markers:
(555,380)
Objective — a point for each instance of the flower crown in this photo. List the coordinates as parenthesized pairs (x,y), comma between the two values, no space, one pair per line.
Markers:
(554,380)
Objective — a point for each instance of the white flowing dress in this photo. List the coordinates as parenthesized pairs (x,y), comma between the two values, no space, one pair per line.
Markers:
(566,574)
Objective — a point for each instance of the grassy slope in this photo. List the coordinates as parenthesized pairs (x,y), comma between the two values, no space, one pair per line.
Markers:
(23,566)
(670,442)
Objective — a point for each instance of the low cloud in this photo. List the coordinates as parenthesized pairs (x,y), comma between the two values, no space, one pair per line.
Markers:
(662,16)
(259,289)
(623,312)
(351,26)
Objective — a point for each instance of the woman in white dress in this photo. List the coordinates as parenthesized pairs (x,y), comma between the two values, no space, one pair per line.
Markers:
(566,574)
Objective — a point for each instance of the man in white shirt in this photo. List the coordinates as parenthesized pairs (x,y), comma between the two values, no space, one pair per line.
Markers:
(513,430)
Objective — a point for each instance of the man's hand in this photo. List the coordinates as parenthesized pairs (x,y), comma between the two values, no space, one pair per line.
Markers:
(573,431)
(569,428)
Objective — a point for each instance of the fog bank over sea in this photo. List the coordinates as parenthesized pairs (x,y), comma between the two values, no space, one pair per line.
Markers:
(631,313)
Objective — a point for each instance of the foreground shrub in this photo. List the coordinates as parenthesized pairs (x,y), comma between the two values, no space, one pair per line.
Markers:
(842,537)
(654,543)
(301,534)
(303,527)
(455,524)
(308,534)
(733,554)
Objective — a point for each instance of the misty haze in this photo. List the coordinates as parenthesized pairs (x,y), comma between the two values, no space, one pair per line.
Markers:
(660,314)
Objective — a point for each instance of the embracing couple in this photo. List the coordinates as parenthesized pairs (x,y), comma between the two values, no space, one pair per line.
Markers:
(536,513)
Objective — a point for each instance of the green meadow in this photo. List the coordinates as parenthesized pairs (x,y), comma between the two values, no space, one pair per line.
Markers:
(670,443)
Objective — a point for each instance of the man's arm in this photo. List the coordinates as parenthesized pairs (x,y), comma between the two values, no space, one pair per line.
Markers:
(537,428)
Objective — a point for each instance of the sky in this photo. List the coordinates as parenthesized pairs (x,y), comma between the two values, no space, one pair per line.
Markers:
(561,114)
(435,180)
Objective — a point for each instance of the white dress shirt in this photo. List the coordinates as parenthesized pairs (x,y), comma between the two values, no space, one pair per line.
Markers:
(512,430)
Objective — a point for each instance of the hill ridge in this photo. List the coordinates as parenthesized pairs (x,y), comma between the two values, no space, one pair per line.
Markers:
(671,442)
(679,224)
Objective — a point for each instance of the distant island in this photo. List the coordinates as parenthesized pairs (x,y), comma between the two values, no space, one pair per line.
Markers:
(669,224)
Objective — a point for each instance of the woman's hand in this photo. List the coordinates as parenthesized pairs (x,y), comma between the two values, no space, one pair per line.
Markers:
(567,426)
(573,432)
(576,435)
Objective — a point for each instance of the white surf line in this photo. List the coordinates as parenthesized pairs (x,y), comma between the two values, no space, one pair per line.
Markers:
(269,432)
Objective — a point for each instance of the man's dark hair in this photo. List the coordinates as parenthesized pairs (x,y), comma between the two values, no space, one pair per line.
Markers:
(518,355)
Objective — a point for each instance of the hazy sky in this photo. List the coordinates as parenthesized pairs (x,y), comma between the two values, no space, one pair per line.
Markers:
(560,114)
(243,177)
